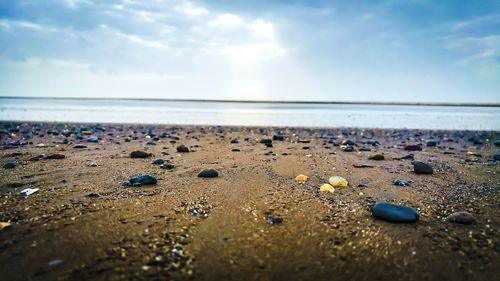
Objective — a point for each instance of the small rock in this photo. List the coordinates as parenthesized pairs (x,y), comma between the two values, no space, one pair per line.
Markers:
(349,148)
(422,168)
(158,161)
(55,262)
(461,217)
(208,173)
(92,195)
(377,157)
(496,157)
(151,142)
(301,178)
(413,147)
(337,181)
(234,141)
(143,180)
(4,225)
(167,166)
(363,165)
(93,164)
(326,188)
(9,165)
(394,213)
(79,145)
(364,148)
(92,139)
(348,142)
(401,182)
(55,156)
(272,219)
(431,142)
(278,137)
(235,150)
(182,148)
(139,154)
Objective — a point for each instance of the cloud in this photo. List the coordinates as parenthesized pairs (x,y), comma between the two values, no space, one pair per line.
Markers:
(225,20)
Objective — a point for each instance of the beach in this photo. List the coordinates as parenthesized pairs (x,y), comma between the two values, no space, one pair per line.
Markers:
(254,220)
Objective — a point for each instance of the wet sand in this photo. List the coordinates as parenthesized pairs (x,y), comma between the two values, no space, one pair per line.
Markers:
(187,227)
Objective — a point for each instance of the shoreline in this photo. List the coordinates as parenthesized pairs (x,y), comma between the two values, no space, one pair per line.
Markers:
(395,103)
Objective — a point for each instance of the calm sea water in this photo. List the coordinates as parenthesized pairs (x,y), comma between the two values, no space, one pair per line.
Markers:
(251,114)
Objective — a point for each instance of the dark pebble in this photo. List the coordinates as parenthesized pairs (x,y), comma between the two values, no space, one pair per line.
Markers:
(167,166)
(55,156)
(235,149)
(278,137)
(92,139)
(413,147)
(92,195)
(9,165)
(158,161)
(208,173)
(182,148)
(151,142)
(377,157)
(79,145)
(139,154)
(272,219)
(363,166)
(400,182)
(431,142)
(422,168)
(461,217)
(394,213)
(142,180)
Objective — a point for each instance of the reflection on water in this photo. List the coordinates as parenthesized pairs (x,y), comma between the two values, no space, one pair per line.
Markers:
(251,114)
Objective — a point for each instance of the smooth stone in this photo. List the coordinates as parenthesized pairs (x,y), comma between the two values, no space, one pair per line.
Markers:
(92,195)
(182,148)
(167,166)
(79,145)
(139,154)
(413,147)
(461,217)
(394,213)
(410,156)
(235,149)
(234,141)
(272,219)
(364,148)
(496,143)
(9,165)
(92,164)
(349,149)
(401,182)
(158,161)
(143,180)
(278,137)
(496,157)
(55,156)
(422,168)
(348,142)
(151,142)
(377,157)
(266,141)
(431,142)
(92,139)
(208,173)
(363,166)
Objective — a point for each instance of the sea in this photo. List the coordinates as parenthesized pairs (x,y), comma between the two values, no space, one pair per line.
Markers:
(325,115)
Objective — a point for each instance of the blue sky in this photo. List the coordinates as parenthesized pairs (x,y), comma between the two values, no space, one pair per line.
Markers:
(415,50)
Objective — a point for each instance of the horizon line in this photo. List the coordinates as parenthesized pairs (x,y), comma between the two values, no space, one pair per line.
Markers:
(268,101)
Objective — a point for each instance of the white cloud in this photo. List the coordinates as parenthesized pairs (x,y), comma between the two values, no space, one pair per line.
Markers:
(253,52)
(262,29)
(226,20)
(139,40)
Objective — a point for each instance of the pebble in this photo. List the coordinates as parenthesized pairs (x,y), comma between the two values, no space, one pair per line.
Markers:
(422,168)
(278,137)
(151,142)
(364,148)
(182,148)
(4,225)
(394,213)
(326,188)
(401,182)
(208,173)
(9,165)
(496,143)
(55,262)
(413,147)
(431,142)
(496,157)
(273,219)
(92,195)
(55,156)
(79,145)
(92,139)
(349,148)
(158,161)
(167,166)
(337,181)
(461,217)
(141,180)
(363,165)
(377,157)
(301,178)
(235,150)
(139,154)
(93,164)
(234,141)
(348,142)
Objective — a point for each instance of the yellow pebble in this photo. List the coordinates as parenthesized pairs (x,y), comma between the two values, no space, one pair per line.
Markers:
(337,181)
(4,225)
(326,188)
(301,178)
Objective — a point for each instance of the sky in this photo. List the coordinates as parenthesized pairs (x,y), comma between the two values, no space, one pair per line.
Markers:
(388,50)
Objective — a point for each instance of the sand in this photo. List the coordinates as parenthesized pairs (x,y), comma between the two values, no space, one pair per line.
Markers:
(187,227)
